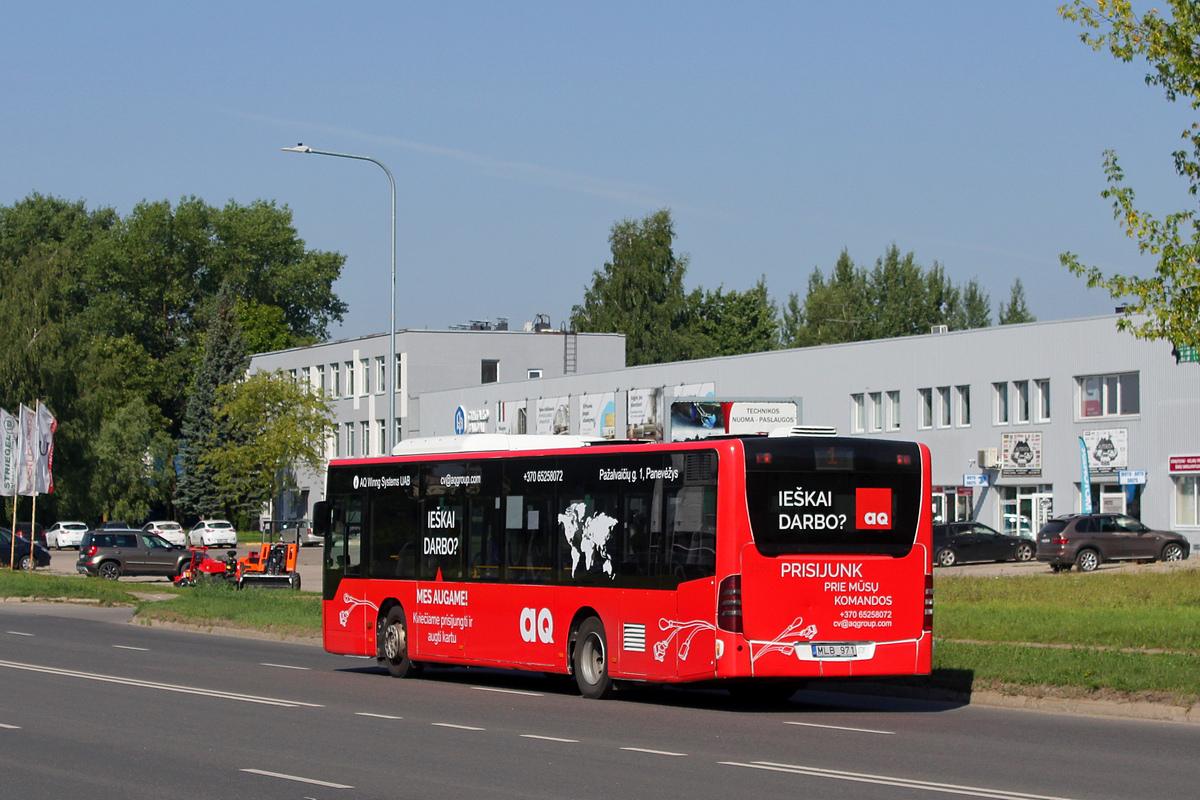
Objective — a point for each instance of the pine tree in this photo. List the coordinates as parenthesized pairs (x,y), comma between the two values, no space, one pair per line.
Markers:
(1016,310)
(225,361)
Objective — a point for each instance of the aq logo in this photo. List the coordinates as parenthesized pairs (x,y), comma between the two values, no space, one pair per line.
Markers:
(537,625)
(873,509)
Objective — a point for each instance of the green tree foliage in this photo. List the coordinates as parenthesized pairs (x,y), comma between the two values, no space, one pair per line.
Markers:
(1169,299)
(272,423)
(134,461)
(725,323)
(1016,310)
(97,311)
(640,292)
(225,362)
(896,298)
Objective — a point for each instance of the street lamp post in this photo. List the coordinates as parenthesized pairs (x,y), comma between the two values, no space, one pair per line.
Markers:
(390,436)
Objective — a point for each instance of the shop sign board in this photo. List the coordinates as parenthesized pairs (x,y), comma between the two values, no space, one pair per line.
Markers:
(1178,464)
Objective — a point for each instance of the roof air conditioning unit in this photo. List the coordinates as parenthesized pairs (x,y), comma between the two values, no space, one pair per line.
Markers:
(988,458)
(940,329)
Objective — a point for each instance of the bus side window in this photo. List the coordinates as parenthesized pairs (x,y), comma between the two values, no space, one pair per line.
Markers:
(483,541)
(691,524)
(636,556)
(528,539)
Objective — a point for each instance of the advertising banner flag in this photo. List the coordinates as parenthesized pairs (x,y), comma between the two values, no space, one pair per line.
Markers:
(10,457)
(1085,476)
(46,426)
(27,451)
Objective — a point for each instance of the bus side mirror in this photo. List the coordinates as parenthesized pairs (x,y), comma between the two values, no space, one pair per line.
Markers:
(320,521)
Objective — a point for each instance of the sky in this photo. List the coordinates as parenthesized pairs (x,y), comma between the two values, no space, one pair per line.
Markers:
(778,134)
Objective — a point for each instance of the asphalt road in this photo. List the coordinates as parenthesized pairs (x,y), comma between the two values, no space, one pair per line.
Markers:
(99,709)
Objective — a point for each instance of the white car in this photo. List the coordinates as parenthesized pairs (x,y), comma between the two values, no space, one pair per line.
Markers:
(212,533)
(171,531)
(65,534)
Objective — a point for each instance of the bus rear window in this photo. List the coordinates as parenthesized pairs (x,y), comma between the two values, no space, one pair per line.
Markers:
(813,497)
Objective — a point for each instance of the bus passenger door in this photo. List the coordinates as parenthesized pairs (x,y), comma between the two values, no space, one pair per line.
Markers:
(349,617)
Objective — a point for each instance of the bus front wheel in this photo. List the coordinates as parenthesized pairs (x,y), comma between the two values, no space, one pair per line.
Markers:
(591,660)
(393,646)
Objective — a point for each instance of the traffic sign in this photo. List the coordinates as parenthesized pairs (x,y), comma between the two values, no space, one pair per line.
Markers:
(974,480)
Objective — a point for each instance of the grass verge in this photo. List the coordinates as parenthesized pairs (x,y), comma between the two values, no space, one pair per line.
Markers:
(278,612)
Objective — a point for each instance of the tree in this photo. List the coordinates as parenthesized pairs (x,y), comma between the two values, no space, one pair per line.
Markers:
(134,462)
(832,311)
(639,292)
(1016,310)
(973,311)
(225,362)
(729,323)
(273,424)
(1170,299)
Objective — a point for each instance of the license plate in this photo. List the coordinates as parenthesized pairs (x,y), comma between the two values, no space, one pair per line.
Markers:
(835,651)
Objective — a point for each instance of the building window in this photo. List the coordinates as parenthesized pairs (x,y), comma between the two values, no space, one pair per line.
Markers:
(964,406)
(399,376)
(364,428)
(926,420)
(489,370)
(859,410)
(320,378)
(893,411)
(1109,395)
(380,374)
(1043,400)
(349,379)
(1187,500)
(365,369)
(944,406)
(305,379)
(381,427)
(1001,391)
(533,373)
(337,442)
(335,381)
(1021,390)
(399,431)
(292,375)
(349,439)
(876,411)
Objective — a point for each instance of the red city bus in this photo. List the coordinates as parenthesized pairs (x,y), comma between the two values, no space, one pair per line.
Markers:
(756,561)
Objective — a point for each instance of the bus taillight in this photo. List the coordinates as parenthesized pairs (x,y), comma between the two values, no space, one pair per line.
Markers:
(729,604)
(928,625)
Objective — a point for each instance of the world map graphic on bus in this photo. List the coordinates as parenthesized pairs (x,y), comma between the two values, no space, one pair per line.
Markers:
(588,538)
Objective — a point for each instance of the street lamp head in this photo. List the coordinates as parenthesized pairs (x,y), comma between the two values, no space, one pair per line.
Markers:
(299,148)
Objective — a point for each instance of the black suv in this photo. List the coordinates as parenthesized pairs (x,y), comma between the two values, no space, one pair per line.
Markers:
(956,542)
(111,554)
(1088,540)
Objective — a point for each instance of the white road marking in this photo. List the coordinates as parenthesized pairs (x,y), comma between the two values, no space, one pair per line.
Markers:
(377,716)
(297,778)
(506,691)
(887,780)
(282,666)
(840,728)
(548,738)
(459,727)
(166,687)
(127,647)
(653,752)
(10,727)
(19,633)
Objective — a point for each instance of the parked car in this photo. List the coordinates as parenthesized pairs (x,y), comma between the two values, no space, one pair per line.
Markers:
(300,531)
(212,533)
(65,534)
(111,554)
(1088,540)
(39,533)
(39,557)
(956,542)
(171,531)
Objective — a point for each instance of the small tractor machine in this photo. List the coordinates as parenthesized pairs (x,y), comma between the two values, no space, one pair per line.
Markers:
(205,568)
(272,563)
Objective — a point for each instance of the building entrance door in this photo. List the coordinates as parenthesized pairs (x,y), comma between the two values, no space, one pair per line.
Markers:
(1043,510)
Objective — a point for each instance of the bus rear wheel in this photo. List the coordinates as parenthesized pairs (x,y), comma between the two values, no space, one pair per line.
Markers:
(393,646)
(591,660)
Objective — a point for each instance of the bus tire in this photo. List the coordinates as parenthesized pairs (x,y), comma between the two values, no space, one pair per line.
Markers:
(393,646)
(590,658)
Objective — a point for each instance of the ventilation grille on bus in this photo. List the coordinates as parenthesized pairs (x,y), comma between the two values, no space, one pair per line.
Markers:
(804,430)
(699,467)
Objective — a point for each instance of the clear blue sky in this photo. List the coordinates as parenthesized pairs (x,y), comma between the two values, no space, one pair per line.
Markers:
(777,133)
